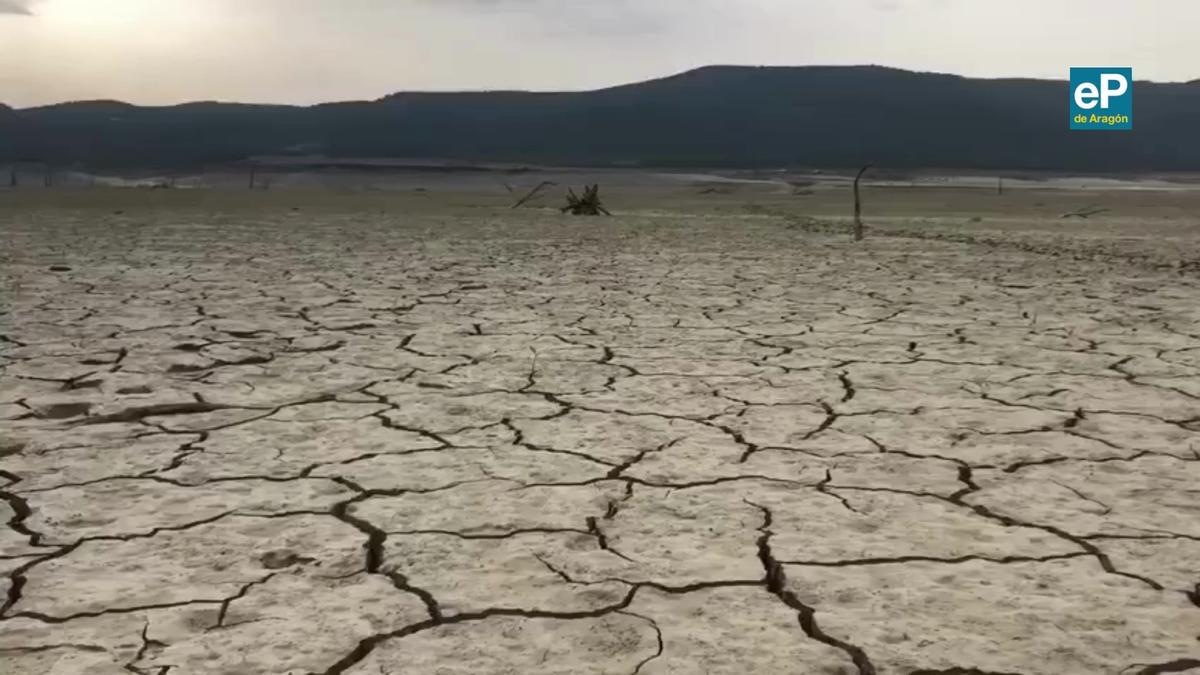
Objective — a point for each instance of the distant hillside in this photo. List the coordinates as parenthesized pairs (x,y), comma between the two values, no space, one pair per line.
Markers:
(716,116)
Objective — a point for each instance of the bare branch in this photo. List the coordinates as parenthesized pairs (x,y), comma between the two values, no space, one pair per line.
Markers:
(858,224)
(532,193)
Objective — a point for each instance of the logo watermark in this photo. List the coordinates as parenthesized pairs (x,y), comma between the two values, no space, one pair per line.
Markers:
(1102,99)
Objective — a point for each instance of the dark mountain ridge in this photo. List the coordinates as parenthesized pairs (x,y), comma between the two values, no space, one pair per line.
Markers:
(715,116)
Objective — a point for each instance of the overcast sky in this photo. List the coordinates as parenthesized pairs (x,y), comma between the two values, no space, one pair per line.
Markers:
(306,51)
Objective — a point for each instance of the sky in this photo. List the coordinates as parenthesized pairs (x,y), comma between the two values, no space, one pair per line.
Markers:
(157,52)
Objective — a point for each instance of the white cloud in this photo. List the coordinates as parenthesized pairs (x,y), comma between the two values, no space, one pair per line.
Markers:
(21,7)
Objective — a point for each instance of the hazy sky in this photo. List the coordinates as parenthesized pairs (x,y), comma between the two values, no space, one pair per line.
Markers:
(305,51)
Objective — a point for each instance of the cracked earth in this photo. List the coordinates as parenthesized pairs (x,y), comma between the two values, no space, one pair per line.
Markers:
(370,444)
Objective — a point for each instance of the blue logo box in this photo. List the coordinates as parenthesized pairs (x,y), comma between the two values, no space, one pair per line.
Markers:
(1102,99)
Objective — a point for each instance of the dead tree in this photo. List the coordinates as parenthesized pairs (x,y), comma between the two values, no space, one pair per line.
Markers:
(253,174)
(532,193)
(587,205)
(858,224)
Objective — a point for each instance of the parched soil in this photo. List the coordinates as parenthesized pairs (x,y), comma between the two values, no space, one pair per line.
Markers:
(284,441)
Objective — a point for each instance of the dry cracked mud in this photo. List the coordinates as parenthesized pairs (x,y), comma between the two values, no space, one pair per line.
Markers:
(373,444)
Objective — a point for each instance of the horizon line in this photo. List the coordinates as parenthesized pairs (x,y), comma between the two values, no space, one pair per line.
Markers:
(681,73)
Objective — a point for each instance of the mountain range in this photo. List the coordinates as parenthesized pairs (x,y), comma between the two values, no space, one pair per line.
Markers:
(717,116)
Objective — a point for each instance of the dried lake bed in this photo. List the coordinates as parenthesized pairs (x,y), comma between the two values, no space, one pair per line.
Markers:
(285,434)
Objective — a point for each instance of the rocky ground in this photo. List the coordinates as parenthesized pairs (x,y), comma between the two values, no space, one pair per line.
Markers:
(376,444)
